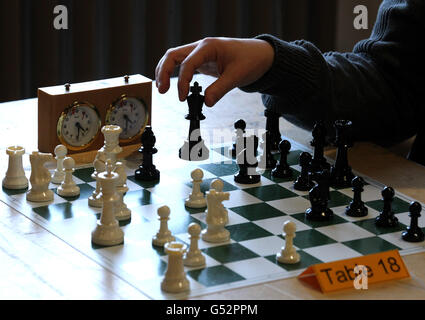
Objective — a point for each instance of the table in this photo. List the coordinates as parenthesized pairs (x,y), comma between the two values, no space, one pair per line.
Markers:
(38,265)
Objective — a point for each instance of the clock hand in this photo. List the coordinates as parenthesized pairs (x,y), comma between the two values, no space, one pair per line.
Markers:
(79,127)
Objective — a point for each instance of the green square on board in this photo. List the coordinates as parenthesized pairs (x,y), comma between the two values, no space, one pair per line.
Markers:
(317,224)
(310,238)
(398,205)
(247,231)
(230,253)
(84,174)
(270,192)
(258,211)
(370,226)
(213,276)
(370,245)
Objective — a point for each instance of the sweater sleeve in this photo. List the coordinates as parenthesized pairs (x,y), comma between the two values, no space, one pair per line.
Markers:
(378,85)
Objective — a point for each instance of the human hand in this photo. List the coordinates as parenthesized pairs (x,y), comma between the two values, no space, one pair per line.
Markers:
(235,63)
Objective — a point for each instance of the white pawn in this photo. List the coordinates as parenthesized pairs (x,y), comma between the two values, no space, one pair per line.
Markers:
(40,178)
(59,174)
(175,280)
(194,257)
(164,235)
(15,175)
(68,187)
(108,232)
(196,198)
(122,212)
(289,254)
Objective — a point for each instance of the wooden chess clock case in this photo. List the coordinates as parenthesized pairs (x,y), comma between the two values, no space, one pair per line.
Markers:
(101,95)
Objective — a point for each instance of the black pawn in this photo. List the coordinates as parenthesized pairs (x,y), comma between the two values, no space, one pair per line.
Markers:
(282,169)
(357,208)
(414,233)
(272,125)
(319,210)
(341,171)
(267,160)
(247,169)
(304,182)
(387,218)
(319,163)
(147,170)
(239,144)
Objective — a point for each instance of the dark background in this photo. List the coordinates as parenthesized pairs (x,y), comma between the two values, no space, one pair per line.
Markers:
(109,38)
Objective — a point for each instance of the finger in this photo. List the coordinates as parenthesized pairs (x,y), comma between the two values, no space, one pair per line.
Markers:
(226,82)
(167,64)
(199,56)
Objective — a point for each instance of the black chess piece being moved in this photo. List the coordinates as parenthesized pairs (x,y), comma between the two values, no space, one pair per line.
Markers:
(414,233)
(147,170)
(194,148)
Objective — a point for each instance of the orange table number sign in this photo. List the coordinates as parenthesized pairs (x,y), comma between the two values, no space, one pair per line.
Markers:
(356,272)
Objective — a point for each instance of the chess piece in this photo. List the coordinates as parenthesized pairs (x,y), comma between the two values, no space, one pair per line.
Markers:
(319,210)
(247,171)
(147,170)
(107,231)
(111,147)
(194,148)
(196,198)
(341,172)
(239,144)
(414,233)
(272,126)
(59,173)
(122,212)
(267,161)
(282,169)
(323,180)
(217,216)
(95,200)
(68,187)
(319,163)
(163,235)
(40,178)
(304,181)
(194,257)
(175,280)
(387,218)
(289,254)
(15,178)
(357,208)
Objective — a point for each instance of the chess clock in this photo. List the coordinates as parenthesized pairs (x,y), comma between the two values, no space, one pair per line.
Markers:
(73,114)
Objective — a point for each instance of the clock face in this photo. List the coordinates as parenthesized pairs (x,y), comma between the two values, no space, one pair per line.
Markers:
(130,114)
(79,125)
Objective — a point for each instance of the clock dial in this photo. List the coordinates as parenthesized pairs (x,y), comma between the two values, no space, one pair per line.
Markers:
(79,125)
(130,114)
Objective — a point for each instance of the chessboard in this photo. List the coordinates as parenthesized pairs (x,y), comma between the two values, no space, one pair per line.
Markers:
(257,214)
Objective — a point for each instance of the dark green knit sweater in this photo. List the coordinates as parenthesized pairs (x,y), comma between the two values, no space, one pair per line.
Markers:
(380,85)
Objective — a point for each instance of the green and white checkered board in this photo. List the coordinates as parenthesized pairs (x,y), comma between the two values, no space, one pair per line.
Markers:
(256,217)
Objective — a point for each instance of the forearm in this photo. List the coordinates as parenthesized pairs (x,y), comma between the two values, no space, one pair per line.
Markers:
(376,86)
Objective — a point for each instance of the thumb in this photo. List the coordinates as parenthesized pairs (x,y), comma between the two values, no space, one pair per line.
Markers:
(219,88)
